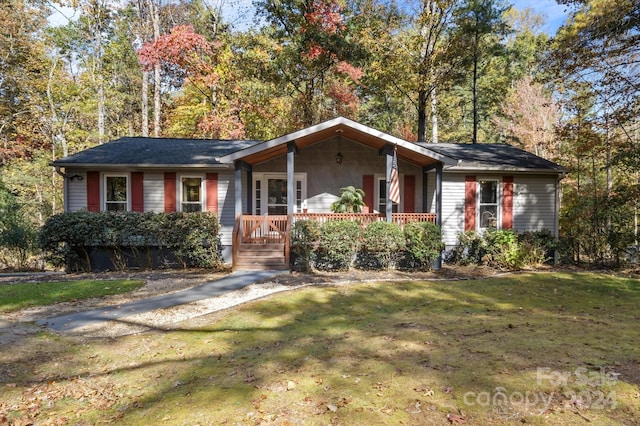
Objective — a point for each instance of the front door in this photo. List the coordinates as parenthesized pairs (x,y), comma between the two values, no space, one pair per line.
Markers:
(270,193)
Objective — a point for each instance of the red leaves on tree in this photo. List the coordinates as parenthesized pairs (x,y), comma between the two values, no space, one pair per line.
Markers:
(325,16)
(182,47)
(314,51)
(354,73)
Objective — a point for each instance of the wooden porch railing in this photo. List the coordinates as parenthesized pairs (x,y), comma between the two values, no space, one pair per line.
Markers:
(275,229)
(366,218)
(264,229)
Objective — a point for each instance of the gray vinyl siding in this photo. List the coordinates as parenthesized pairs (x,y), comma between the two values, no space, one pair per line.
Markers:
(226,206)
(153,192)
(76,192)
(534,203)
(452,206)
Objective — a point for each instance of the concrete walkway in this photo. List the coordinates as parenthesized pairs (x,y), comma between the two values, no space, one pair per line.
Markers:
(234,281)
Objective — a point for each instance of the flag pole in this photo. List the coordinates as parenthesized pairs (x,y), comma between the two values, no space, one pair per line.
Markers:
(393,183)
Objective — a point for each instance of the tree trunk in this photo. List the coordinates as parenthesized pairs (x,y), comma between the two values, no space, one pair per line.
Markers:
(476,59)
(475,90)
(156,101)
(145,103)
(434,116)
(155,16)
(423,96)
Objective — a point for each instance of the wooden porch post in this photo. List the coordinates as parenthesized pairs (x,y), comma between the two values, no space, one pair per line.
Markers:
(439,207)
(238,189)
(425,193)
(291,182)
(292,150)
(439,194)
(250,191)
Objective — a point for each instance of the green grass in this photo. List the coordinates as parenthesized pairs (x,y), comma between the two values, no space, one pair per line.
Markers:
(382,353)
(14,297)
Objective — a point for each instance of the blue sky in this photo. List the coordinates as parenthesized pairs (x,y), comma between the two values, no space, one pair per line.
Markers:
(240,12)
(554,14)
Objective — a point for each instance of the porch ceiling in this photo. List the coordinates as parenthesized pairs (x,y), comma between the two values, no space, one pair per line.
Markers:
(407,151)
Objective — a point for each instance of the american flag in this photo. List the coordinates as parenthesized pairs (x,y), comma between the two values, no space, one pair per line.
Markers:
(394,184)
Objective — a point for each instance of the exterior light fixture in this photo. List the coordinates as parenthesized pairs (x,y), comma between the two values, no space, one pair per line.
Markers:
(339,156)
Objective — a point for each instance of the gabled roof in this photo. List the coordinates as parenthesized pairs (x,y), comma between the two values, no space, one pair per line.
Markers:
(345,128)
(155,152)
(494,157)
(143,152)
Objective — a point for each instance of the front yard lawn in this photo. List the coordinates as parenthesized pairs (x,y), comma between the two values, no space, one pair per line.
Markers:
(18,296)
(534,348)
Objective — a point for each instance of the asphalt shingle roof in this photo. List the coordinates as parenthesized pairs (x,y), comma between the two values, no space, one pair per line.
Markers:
(156,151)
(492,156)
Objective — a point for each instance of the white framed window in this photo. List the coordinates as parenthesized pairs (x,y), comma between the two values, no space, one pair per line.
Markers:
(380,196)
(116,193)
(488,195)
(270,193)
(192,192)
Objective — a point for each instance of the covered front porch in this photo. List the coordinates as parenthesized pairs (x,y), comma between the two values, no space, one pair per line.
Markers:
(299,175)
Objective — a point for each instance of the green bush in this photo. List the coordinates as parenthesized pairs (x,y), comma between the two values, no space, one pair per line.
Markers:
(382,245)
(337,246)
(305,235)
(502,248)
(537,247)
(470,249)
(18,237)
(423,244)
(69,238)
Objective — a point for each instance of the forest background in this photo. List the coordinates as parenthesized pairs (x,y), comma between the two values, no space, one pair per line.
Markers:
(462,71)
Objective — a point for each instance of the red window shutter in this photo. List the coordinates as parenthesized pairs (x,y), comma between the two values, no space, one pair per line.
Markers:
(169,192)
(93,191)
(212,192)
(137,191)
(409,194)
(469,203)
(367,187)
(507,202)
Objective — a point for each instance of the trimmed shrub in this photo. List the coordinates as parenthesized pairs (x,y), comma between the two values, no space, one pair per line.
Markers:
(470,249)
(337,246)
(70,240)
(423,244)
(305,235)
(382,245)
(502,249)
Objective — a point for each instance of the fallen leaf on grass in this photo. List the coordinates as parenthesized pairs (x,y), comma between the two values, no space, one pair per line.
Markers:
(456,419)
(290,385)
(332,407)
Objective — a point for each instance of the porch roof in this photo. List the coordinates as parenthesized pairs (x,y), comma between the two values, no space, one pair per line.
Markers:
(348,129)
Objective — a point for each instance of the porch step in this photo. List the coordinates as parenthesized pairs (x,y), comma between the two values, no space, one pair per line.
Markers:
(258,257)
